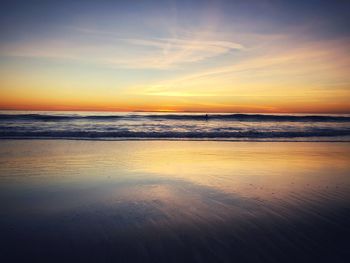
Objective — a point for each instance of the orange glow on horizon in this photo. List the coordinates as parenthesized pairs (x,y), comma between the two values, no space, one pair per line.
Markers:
(283,108)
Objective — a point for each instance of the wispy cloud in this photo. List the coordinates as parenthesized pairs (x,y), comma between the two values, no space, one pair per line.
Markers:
(167,44)
(108,48)
(311,64)
(172,52)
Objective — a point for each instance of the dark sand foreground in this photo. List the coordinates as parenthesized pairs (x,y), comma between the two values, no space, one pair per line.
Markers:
(163,201)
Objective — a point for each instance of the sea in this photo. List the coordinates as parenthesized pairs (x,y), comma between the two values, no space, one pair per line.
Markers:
(173,126)
(174,187)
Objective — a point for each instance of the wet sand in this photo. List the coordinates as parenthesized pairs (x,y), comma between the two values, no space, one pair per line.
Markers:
(174,201)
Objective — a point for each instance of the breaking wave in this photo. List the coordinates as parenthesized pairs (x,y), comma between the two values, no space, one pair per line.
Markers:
(118,126)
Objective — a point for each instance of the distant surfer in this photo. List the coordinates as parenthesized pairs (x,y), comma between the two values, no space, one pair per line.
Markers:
(206,117)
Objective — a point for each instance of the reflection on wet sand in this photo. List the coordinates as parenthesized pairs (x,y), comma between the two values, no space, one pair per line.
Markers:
(174,201)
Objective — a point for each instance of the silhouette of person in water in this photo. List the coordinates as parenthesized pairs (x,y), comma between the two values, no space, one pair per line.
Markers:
(206,117)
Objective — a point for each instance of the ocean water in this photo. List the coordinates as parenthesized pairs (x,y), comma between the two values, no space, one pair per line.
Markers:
(184,126)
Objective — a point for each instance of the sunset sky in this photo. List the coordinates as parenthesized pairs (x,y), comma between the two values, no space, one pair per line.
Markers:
(212,56)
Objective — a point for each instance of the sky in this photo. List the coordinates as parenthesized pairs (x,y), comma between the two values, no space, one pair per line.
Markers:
(210,56)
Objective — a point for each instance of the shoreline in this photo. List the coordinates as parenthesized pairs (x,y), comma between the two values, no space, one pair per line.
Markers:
(171,139)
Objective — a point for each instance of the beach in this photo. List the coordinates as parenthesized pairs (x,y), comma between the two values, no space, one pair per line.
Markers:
(174,201)
(175,131)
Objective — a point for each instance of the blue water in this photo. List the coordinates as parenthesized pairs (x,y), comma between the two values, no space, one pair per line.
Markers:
(196,126)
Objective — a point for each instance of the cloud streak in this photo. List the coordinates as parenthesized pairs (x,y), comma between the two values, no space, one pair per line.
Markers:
(309,65)
(119,52)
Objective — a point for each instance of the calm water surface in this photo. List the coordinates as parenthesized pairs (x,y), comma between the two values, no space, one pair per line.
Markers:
(174,201)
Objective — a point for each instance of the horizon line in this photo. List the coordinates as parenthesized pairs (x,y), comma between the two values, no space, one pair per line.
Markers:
(178,111)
